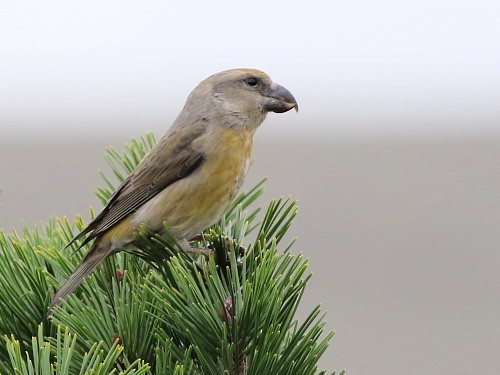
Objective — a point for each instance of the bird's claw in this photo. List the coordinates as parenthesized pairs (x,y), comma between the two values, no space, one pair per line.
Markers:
(200,251)
(230,246)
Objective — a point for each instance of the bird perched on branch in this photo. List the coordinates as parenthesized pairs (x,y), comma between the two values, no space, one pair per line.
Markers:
(194,171)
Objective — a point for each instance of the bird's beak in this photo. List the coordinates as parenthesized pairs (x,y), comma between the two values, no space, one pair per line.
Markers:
(278,99)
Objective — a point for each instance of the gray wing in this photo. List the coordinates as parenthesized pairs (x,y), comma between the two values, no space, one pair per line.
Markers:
(172,159)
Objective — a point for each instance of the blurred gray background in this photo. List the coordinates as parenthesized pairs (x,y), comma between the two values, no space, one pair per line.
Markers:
(394,155)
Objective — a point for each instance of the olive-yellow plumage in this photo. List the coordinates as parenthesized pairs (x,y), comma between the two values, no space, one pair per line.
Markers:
(193,173)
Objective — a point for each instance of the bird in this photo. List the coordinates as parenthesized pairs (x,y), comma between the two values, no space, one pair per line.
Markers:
(192,174)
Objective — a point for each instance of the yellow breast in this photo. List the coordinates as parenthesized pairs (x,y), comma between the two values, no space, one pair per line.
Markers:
(199,200)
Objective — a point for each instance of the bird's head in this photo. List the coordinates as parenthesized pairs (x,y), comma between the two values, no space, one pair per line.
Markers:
(241,98)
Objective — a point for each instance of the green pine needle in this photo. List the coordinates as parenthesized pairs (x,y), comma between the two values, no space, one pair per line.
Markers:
(157,309)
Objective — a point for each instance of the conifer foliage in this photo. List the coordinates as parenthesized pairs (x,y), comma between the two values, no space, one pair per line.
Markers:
(159,310)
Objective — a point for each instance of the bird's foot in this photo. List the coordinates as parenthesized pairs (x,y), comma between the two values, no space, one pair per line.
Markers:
(187,248)
(230,246)
(200,251)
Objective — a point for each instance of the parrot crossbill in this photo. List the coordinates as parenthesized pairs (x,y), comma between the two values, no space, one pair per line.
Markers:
(193,173)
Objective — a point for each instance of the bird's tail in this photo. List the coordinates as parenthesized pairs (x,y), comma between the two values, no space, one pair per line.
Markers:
(95,256)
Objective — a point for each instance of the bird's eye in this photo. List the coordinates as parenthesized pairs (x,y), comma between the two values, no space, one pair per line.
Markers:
(252,81)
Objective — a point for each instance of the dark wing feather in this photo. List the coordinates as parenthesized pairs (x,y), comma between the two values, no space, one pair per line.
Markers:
(129,201)
(154,173)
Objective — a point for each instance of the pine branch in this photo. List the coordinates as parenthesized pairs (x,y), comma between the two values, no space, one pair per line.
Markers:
(161,310)
(60,356)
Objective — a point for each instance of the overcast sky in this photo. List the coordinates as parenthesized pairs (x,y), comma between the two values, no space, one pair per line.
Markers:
(356,67)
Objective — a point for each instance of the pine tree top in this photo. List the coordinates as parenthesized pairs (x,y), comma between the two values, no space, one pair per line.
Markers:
(160,310)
